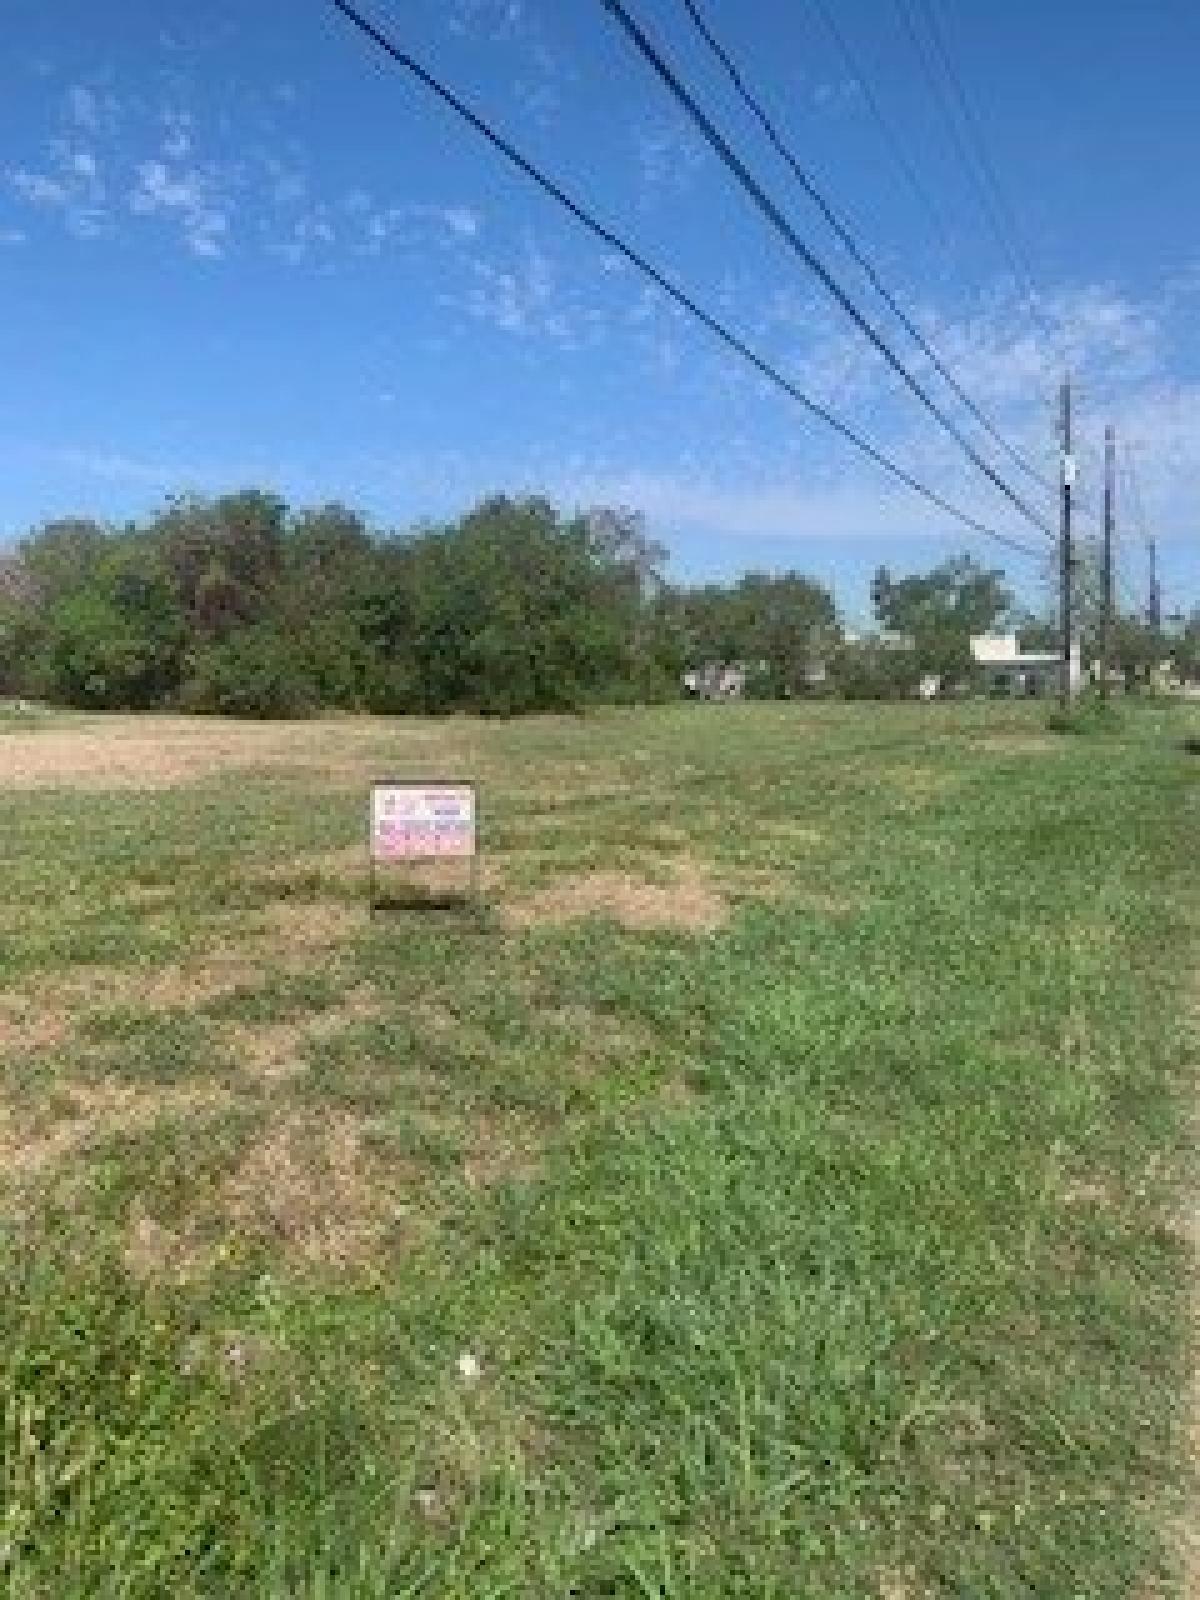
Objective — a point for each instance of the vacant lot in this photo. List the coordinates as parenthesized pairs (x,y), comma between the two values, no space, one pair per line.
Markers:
(781,1193)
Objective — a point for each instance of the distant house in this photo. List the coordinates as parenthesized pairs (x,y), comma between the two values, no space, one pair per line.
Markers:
(1007,669)
(880,638)
(717,680)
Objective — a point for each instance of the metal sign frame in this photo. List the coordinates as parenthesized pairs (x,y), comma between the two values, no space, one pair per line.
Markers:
(472,895)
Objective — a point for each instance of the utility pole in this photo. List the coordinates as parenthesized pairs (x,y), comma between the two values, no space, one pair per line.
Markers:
(1155,612)
(1068,483)
(1106,634)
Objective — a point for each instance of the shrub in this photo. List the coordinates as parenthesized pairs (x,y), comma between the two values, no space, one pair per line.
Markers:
(255,672)
(1088,715)
(875,672)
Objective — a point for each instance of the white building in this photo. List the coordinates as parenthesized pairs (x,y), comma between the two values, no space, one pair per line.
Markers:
(717,681)
(1011,670)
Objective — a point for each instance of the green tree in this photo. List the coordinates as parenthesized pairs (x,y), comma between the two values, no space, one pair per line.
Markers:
(60,558)
(225,558)
(117,638)
(940,611)
(1185,650)
(870,670)
(256,671)
(785,620)
(322,597)
(18,626)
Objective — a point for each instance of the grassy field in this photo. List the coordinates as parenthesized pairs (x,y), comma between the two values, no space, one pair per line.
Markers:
(776,1196)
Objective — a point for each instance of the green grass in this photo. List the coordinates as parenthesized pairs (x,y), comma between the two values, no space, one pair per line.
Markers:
(826,1254)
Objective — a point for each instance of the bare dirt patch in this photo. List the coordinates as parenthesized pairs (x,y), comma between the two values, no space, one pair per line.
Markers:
(918,783)
(345,866)
(274,1053)
(310,1187)
(153,1251)
(163,752)
(691,900)
(24,1034)
(40,1017)
(97,1110)
(502,1150)
(434,879)
(309,925)
(1019,744)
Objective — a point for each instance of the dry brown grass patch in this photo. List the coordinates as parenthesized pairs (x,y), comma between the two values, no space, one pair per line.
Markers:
(691,900)
(501,1150)
(52,1003)
(309,925)
(153,1252)
(97,1110)
(435,879)
(918,783)
(309,1186)
(25,1033)
(1019,744)
(40,1018)
(153,752)
(274,1052)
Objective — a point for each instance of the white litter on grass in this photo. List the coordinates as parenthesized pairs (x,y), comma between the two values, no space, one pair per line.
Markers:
(469,1367)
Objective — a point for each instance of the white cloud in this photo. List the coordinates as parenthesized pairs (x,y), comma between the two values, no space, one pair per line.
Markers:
(751,506)
(167,476)
(188,196)
(39,188)
(521,299)
(91,111)
(84,107)
(460,220)
(494,19)
(669,154)
(309,233)
(72,189)
(12,236)
(115,467)
(381,224)
(89,223)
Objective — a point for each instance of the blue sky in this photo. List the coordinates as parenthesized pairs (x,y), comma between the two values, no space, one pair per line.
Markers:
(237,248)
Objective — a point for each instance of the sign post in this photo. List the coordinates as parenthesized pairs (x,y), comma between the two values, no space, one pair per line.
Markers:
(415,820)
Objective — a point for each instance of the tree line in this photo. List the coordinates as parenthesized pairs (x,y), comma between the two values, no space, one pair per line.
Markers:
(242,605)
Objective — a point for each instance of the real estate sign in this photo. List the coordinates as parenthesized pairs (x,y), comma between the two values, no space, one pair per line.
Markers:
(423,820)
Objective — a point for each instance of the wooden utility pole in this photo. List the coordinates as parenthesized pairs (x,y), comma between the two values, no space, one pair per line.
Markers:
(1155,614)
(1110,489)
(1066,555)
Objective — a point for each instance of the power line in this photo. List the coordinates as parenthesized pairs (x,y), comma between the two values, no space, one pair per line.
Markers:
(1135,493)
(974,158)
(1154,608)
(981,169)
(890,139)
(628,252)
(808,184)
(782,226)
(975,129)
(1124,586)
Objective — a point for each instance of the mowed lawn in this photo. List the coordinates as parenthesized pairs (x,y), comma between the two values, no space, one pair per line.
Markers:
(777,1193)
